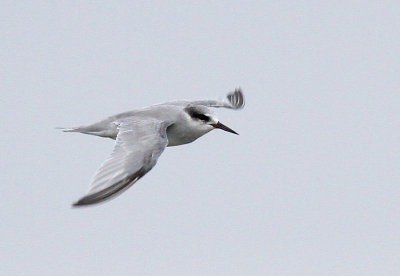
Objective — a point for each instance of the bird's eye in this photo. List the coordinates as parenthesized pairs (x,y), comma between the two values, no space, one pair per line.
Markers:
(200,116)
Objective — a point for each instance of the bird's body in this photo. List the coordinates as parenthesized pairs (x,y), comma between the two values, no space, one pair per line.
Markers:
(141,136)
(178,134)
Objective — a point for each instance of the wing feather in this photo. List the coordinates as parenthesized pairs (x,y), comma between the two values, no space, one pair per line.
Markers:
(139,143)
(234,100)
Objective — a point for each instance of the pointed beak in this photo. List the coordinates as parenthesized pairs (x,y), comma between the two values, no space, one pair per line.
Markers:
(224,127)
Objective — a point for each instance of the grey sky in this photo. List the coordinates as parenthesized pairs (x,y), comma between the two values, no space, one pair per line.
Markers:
(310,187)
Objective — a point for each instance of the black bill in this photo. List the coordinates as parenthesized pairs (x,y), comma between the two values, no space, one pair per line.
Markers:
(224,127)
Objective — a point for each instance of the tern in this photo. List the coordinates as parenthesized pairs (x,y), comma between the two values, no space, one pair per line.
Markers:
(142,135)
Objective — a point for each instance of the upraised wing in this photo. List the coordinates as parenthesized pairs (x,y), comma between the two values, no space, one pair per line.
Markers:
(139,143)
(233,100)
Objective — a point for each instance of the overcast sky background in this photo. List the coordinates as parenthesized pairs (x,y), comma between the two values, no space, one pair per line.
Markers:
(310,187)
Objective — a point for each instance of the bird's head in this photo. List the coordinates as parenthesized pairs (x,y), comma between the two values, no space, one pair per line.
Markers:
(204,119)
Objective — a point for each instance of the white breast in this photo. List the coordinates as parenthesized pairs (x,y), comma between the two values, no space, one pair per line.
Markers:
(183,133)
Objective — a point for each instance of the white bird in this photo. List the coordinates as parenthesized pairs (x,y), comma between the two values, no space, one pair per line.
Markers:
(142,135)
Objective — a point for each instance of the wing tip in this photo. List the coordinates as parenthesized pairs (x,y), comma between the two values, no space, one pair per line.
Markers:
(82,202)
(78,204)
(236,98)
(111,191)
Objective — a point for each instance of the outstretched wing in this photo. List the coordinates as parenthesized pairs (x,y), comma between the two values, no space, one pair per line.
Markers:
(233,100)
(138,145)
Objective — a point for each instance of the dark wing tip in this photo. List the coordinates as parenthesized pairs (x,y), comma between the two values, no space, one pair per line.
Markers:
(86,201)
(81,202)
(111,191)
(236,99)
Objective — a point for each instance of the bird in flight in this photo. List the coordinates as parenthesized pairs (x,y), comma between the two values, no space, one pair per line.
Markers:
(142,135)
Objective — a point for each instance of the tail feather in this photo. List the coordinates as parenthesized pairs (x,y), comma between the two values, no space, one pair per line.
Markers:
(92,130)
(69,129)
